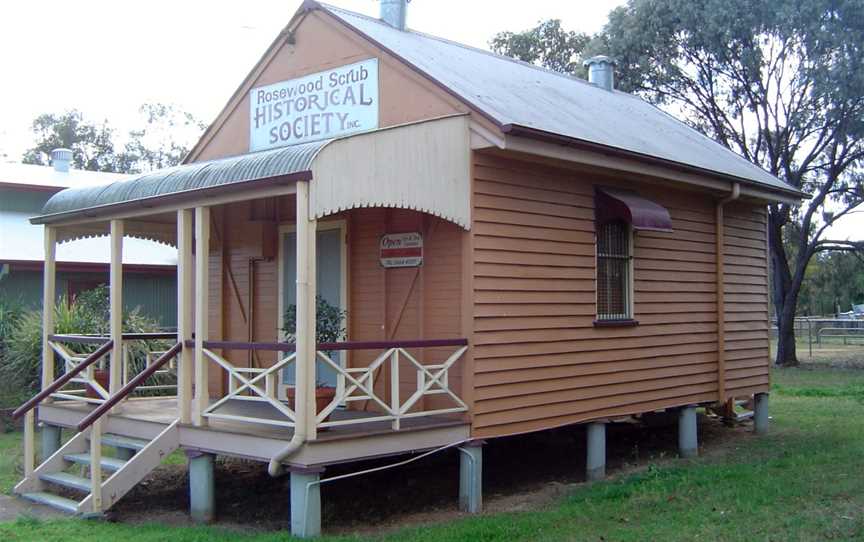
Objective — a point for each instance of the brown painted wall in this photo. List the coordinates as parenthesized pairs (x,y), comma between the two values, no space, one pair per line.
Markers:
(384,304)
(747,331)
(321,43)
(539,360)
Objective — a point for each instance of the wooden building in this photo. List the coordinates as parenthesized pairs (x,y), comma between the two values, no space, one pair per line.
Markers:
(513,249)
(150,268)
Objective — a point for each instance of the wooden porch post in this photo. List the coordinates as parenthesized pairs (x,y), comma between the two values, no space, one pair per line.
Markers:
(49,285)
(305,342)
(202,310)
(116,306)
(184,313)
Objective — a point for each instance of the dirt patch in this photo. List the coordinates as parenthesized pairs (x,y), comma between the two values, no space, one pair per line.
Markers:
(520,473)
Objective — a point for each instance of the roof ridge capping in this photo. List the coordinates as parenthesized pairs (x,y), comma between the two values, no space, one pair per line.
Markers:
(493,54)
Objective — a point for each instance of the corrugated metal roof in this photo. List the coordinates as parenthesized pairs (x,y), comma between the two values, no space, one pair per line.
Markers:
(187,178)
(511,92)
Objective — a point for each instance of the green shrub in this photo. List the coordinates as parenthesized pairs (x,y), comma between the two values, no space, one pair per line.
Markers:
(87,314)
(330,322)
(10,313)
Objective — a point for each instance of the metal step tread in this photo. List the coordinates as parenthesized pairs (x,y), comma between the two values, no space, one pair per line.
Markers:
(119,441)
(108,463)
(66,479)
(54,501)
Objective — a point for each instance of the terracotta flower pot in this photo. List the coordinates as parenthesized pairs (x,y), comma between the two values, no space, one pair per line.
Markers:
(323,396)
(103,378)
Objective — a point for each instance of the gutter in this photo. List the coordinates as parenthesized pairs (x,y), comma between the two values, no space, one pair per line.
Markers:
(540,135)
(720,244)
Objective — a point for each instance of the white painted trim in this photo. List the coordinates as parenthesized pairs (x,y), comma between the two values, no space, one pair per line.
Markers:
(202,312)
(251,193)
(185,308)
(49,285)
(115,282)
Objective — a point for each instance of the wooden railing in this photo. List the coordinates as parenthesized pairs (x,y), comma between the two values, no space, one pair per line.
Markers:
(353,383)
(64,379)
(70,358)
(129,387)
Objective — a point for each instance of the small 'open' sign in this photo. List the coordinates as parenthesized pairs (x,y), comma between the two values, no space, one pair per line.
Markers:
(401,250)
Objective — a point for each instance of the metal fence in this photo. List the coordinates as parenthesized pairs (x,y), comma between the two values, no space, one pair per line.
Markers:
(823,332)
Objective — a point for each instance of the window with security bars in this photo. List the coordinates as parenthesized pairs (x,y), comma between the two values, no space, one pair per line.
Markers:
(614,271)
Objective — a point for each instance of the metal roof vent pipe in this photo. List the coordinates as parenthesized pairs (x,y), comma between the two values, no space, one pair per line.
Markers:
(61,159)
(394,12)
(601,71)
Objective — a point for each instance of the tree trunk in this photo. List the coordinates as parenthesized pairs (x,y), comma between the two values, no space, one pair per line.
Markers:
(784,294)
(786,355)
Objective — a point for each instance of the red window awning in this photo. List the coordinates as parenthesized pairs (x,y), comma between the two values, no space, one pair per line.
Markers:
(613,204)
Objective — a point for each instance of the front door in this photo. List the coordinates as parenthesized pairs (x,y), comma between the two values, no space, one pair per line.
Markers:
(330,271)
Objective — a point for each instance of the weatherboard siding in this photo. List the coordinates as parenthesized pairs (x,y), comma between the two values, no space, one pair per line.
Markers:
(383,304)
(747,330)
(540,362)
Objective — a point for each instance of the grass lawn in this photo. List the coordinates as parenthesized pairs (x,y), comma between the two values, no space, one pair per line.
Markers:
(804,481)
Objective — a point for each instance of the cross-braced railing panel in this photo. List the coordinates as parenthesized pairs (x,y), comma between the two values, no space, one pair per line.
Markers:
(432,379)
(245,385)
(71,360)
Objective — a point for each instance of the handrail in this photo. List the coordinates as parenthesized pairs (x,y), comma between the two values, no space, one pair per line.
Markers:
(127,389)
(60,382)
(94,339)
(329,347)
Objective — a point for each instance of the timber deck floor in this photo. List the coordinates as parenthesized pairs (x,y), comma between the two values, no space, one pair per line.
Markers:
(165,411)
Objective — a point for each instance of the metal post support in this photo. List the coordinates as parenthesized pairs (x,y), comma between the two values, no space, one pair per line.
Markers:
(51,441)
(760,413)
(471,477)
(305,503)
(688,444)
(595,464)
(202,486)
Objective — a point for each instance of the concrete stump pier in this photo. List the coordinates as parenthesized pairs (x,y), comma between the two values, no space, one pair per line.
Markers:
(595,463)
(51,440)
(471,477)
(688,440)
(202,486)
(760,413)
(305,503)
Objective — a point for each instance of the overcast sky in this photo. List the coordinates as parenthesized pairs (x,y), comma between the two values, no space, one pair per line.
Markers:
(106,58)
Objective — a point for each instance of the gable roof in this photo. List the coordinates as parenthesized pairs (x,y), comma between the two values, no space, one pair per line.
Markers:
(525,99)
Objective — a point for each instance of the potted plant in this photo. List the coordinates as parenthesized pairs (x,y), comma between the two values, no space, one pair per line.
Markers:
(329,328)
(103,378)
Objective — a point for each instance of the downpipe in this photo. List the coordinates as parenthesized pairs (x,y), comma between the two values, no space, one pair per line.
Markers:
(721,294)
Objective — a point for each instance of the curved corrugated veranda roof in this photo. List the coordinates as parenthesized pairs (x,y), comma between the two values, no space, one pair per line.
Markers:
(186,179)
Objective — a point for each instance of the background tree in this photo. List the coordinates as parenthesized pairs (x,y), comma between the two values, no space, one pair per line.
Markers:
(164,138)
(779,83)
(92,144)
(547,45)
(834,282)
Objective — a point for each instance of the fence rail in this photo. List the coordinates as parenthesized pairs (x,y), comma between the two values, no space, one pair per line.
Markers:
(353,383)
(815,331)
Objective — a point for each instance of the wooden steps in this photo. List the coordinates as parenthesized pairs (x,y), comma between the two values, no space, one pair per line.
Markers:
(122,475)
(119,441)
(54,501)
(67,480)
(108,463)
